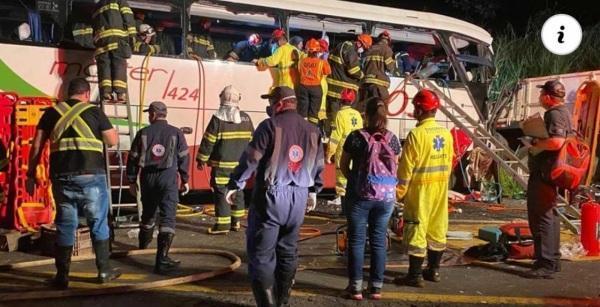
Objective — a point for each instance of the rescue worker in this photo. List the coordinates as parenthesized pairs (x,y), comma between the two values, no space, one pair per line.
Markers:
(379,61)
(200,43)
(541,192)
(345,73)
(157,154)
(77,131)
(146,45)
(312,71)
(250,49)
(225,138)
(83,35)
(286,154)
(284,61)
(114,34)
(324,54)
(163,40)
(423,175)
(346,121)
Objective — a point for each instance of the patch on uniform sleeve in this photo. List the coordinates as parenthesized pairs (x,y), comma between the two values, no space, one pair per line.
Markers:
(295,154)
(158,151)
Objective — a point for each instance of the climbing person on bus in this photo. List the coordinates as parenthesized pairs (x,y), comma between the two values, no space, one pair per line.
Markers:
(369,161)
(249,49)
(379,62)
(312,71)
(284,61)
(224,141)
(146,44)
(345,73)
(200,43)
(163,40)
(346,121)
(114,34)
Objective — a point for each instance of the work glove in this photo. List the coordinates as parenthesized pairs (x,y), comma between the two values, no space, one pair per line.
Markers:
(312,202)
(230,196)
(185,188)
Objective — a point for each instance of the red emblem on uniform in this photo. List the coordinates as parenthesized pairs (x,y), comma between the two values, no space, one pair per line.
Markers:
(295,154)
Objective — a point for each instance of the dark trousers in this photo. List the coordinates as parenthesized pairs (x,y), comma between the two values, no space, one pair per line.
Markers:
(274,222)
(159,192)
(369,91)
(112,72)
(309,101)
(332,107)
(543,220)
(224,212)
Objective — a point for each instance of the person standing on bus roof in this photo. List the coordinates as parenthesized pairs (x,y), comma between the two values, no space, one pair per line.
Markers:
(224,141)
(312,70)
(288,159)
(379,61)
(249,49)
(158,153)
(200,43)
(114,34)
(146,45)
(163,40)
(345,73)
(284,61)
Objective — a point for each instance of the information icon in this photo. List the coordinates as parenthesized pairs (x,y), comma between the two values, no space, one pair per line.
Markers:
(561,34)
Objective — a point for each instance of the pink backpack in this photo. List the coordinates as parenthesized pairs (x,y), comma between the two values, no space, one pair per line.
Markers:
(377,174)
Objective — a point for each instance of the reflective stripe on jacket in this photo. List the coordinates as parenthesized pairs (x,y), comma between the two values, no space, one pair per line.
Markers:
(70,117)
(113,26)
(284,63)
(379,60)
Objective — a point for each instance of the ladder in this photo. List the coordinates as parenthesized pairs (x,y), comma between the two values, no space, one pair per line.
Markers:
(496,149)
(120,116)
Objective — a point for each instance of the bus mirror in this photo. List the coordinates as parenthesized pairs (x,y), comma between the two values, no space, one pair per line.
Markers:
(186,130)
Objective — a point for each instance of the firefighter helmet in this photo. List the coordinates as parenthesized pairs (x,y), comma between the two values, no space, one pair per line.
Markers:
(365,40)
(313,45)
(385,35)
(426,100)
(324,45)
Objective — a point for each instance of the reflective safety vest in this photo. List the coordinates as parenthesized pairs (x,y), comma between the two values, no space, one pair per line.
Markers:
(71,118)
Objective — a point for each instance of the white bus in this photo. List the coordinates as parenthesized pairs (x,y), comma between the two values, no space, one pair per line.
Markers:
(190,89)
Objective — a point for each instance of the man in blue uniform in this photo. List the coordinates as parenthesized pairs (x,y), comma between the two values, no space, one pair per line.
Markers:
(160,152)
(287,155)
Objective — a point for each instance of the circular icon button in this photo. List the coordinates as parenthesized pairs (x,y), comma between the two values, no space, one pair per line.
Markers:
(561,34)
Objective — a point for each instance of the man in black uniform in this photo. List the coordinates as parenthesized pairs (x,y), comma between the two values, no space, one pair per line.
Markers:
(146,44)
(160,152)
(200,43)
(541,192)
(224,141)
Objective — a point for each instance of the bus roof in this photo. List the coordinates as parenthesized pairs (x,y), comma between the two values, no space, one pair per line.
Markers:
(388,15)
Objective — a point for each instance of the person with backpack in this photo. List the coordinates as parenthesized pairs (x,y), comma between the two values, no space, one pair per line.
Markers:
(373,153)
(423,175)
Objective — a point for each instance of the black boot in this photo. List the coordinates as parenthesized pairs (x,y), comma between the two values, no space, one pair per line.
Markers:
(432,272)
(145,237)
(414,277)
(62,261)
(105,272)
(283,288)
(264,296)
(164,264)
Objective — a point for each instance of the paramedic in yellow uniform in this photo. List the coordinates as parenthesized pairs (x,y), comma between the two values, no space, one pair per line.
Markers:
(347,120)
(284,61)
(423,174)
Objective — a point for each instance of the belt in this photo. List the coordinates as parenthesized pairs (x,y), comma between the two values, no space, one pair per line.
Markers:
(78,173)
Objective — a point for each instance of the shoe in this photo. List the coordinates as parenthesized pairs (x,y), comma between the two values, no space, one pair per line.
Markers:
(335,202)
(122,98)
(164,264)
(264,296)
(107,98)
(375,293)
(105,272)
(432,272)
(353,294)
(145,237)
(236,226)
(414,278)
(540,273)
(557,266)
(218,229)
(283,288)
(62,261)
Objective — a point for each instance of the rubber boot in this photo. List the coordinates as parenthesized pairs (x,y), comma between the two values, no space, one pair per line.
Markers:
(283,288)
(414,277)
(105,272)
(164,264)
(145,237)
(219,229)
(62,261)
(264,296)
(432,272)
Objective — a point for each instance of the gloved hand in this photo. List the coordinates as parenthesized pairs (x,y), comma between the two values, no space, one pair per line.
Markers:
(185,188)
(312,202)
(230,196)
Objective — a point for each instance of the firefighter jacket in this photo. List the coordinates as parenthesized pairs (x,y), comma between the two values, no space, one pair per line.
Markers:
(346,121)
(222,145)
(284,62)
(201,45)
(345,69)
(423,175)
(158,147)
(143,48)
(114,27)
(379,60)
(285,150)
(83,35)
(165,42)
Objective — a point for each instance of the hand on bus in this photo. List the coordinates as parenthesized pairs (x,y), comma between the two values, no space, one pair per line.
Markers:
(231,196)
(133,188)
(185,188)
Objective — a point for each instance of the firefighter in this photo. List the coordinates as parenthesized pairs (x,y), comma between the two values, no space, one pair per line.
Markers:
(284,61)
(225,138)
(163,40)
(114,34)
(157,154)
(288,157)
(200,43)
(379,61)
(77,131)
(146,44)
(423,175)
(249,49)
(346,121)
(312,71)
(541,192)
(345,73)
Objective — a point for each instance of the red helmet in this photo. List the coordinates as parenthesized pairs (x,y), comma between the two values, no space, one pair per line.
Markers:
(385,35)
(278,33)
(324,45)
(348,96)
(313,45)
(426,100)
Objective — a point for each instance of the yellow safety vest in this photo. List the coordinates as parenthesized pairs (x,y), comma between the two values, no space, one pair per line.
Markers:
(71,117)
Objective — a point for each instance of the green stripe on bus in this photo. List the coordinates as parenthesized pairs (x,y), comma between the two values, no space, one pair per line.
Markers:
(11,82)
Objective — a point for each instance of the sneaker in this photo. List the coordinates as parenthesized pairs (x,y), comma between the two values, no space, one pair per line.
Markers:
(375,294)
(353,294)
(335,202)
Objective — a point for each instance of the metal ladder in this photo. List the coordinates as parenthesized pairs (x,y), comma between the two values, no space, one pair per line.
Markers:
(498,150)
(116,165)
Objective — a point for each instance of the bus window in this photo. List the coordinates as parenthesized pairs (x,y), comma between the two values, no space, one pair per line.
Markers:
(32,21)
(332,29)
(164,18)
(476,59)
